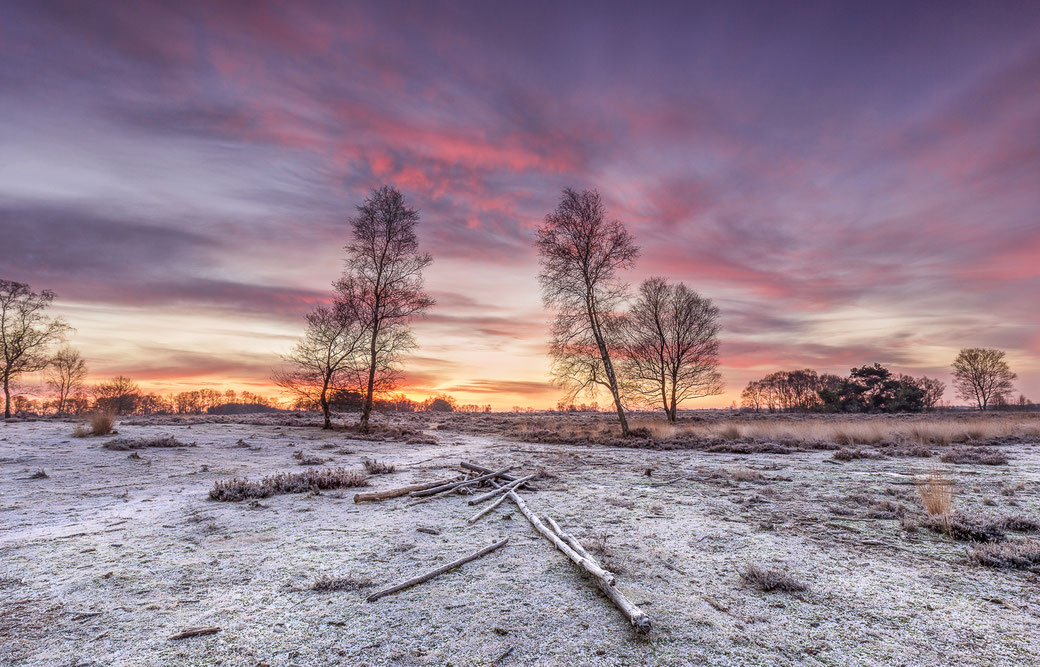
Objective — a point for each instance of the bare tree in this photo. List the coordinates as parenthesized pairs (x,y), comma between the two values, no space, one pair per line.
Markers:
(25,333)
(982,375)
(327,360)
(933,389)
(118,396)
(581,253)
(383,287)
(65,375)
(671,346)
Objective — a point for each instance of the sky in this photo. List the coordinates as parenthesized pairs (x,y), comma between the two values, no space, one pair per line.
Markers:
(849,182)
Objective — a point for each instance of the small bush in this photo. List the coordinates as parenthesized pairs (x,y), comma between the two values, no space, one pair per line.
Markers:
(39,474)
(307,459)
(101,423)
(768,581)
(1009,555)
(373,467)
(127,444)
(975,455)
(850,454)
(302,482)
(326,584)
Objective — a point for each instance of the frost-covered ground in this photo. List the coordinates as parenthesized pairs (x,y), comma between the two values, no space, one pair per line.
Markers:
(106,557)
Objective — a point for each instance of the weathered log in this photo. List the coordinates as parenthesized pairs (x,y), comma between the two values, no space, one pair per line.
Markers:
(433,573)
(403,491)
(502,489)
(195,632)
(570,540)
(605,580)
(488,509)
(454,485)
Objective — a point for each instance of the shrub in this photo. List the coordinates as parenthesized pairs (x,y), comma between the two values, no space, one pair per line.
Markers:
(848,454)
(127,444)
(325,584)
(975,455)
(307,459)
(373,467)
(301,482)
(1012,555)
(768,581)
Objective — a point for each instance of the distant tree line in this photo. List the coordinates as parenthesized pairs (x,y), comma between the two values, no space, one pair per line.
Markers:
(980,376)
(871,388)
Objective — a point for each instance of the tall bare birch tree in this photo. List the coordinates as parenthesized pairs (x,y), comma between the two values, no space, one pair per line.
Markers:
(383,286)
(671,345)
(581,253)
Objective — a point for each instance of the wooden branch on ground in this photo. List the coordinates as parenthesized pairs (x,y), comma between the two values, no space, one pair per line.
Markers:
(433,573)
(502,489)
(195,632)
(454,485)
(605,580)
(403,491)
(481,469)
(490,508)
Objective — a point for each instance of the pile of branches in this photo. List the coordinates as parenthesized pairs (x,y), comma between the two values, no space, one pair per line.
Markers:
(482,484)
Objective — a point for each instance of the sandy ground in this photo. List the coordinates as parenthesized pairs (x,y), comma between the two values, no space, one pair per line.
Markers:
(104,559)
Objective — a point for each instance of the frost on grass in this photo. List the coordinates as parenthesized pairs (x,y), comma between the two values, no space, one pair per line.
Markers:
(768,580)
(975,455)
(978,527)
(326,584)
(1008,555)
(126,444)
(373,467)
(301,482)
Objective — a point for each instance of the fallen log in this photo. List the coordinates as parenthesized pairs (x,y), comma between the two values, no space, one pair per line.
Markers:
(502,489)
(433,573)
(454,485)
(605,580)
(395,493)
(195,632)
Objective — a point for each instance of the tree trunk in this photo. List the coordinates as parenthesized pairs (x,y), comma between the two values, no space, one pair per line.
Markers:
(323,401)
(366,408)
(7,397)
(608,367)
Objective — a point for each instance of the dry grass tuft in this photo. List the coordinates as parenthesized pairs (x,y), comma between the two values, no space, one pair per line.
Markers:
(373,467)
(236,489)
(746,475)
(39,474)
(851,454)
(936,493)
(100,423)
(768,581)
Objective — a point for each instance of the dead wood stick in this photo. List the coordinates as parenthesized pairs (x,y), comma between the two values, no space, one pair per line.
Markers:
(570,540)
(454,485)
(481,469)
(593,568)
(403,491)
(195,632)
(433,573)
(488,509)
(639,620)
(502,489)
